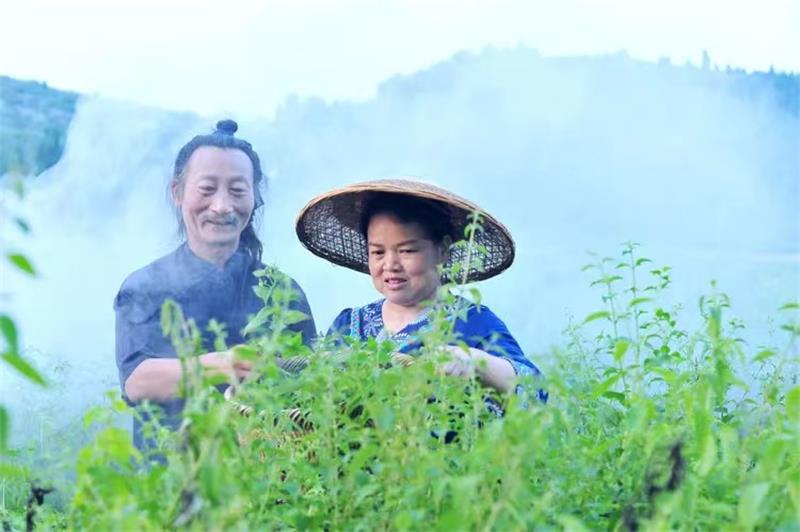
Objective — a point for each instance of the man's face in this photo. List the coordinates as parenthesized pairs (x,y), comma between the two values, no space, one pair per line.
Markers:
(216,198)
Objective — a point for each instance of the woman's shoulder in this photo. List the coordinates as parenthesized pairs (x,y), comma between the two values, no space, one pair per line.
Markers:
(343,323)
(479,318)
(474,310)
(368,311)
(343,316)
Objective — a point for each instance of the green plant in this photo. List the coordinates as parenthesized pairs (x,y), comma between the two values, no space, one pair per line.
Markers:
(11,354)
(648,426)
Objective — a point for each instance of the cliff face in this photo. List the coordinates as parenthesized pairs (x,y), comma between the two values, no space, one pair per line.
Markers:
(33,125)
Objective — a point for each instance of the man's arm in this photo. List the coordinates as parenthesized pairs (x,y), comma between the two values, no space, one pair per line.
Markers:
(158,379)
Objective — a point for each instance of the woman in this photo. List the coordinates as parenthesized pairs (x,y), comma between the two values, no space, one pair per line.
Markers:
(400,232)
(216,190)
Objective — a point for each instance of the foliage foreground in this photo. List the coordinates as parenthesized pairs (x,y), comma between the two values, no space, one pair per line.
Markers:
(647,427)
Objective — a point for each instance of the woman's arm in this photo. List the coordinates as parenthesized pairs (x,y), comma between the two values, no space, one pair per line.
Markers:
(158,379)
(494,372)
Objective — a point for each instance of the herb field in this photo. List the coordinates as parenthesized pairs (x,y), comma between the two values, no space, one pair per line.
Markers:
(647,427)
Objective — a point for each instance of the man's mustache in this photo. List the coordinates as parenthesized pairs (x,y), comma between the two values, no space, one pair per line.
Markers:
(231,219)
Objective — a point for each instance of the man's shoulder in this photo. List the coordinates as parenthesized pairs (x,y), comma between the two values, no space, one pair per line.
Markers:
(275,275)
(154,275)
(158,277)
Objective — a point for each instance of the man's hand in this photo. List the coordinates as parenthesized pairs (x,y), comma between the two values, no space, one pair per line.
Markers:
(158,379)
(226,363)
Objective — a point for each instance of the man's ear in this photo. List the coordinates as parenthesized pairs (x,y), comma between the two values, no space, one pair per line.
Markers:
(176,190)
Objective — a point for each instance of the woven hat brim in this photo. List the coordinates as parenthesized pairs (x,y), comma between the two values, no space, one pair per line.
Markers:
(328,226)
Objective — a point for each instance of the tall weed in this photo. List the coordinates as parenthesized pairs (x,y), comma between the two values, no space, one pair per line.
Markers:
(648,426)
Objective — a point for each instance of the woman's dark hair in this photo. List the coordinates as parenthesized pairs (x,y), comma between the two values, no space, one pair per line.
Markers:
(222,137)
(432,216)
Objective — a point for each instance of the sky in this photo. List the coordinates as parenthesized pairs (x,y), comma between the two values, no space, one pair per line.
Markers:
(248,57)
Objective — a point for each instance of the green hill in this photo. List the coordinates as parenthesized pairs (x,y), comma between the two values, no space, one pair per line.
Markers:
(33,125)
(34,117)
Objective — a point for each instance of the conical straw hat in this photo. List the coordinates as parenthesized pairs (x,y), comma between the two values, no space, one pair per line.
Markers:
(329,226)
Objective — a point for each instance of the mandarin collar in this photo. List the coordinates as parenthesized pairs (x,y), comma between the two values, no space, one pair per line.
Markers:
(232,266)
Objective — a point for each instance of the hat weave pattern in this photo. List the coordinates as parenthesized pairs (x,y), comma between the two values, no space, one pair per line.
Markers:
(329,227)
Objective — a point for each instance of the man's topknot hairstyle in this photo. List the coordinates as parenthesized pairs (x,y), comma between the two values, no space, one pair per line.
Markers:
(223,137)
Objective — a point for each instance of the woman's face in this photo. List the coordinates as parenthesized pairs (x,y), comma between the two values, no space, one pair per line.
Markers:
(216,197)
(402,260)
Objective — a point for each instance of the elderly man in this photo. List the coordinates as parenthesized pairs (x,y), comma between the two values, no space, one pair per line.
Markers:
(216,191)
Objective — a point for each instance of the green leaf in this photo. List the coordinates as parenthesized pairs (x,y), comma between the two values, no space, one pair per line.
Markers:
(10,471)
(4,432)
(620,348)
(708,453)
(605,386)
(291,317)
(793,404)
(669,376)
(263,292)
(600,314)
(9,332)
(244,352)
(790,306)
(258,320)
(639,301)
(793,328)
(23,225)
(21,365)
(750,504)
(94,415)
(22,263)
(117,445)
(385,420)
(764,354)
(617,396)
(607,280)
(476,295)
(641,261)
(571,524)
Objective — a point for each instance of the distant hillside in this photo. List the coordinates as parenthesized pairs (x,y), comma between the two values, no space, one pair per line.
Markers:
(34,117)
(621,69)
(597,146)
(33,125)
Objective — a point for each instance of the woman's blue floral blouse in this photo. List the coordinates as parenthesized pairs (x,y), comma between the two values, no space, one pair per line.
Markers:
(479,328)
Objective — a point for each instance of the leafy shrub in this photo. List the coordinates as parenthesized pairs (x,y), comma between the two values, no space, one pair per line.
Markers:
(648,426)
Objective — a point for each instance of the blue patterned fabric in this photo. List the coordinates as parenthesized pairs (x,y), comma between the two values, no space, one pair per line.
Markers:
(480,328)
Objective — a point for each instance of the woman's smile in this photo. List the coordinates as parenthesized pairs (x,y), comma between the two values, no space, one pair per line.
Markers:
(403,261)
(395,283)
